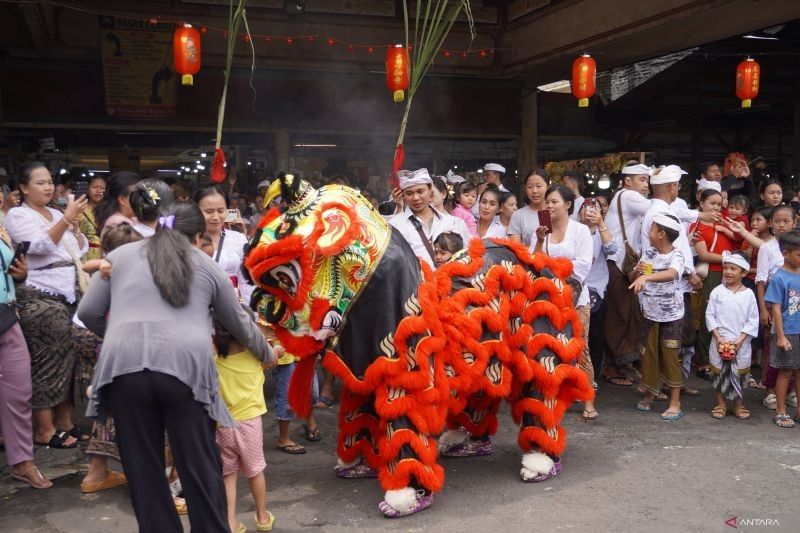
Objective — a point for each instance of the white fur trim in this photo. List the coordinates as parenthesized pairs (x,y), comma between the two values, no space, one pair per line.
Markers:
(452,437)
(342,464)
(535,464)
(401,500)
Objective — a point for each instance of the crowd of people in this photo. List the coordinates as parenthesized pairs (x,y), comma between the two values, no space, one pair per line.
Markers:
(662,290)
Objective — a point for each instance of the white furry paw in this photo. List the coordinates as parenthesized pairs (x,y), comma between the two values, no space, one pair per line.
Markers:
(342,464)
(535,464)
(452,437)
(402,500)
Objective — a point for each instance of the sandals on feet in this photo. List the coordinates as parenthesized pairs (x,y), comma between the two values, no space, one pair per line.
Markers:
(719,412)
(771,402)
(741,412)
(312,435)
(265,526)
(783,421)
(618,381)
(79,434)
(672,415)
(180,506)
(58,440)
(643,406)
(34,478)
(589,415)
(113,479)
(324,402)
(292,449)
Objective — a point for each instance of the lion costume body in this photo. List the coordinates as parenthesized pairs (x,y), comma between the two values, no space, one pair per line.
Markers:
(416,350)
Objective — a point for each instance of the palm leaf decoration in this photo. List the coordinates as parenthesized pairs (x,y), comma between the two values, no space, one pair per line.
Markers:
(433,20)
(235,17)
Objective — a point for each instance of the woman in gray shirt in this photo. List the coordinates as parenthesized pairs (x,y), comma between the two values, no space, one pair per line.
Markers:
(156,370)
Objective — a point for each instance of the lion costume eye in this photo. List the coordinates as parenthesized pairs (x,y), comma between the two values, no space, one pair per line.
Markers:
(286,277)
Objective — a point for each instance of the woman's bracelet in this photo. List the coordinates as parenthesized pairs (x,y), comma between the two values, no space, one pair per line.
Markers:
(604,228)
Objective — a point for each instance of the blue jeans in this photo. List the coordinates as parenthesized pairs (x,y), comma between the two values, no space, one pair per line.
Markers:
(282,374)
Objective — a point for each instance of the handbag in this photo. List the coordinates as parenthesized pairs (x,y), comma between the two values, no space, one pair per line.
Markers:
(8,311)
(701,268)
(631,258)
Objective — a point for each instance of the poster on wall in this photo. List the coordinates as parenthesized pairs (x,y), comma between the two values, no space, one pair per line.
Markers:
(137,68)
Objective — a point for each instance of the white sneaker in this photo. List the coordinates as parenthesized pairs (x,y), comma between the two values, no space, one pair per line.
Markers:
(771,401)
(791,399)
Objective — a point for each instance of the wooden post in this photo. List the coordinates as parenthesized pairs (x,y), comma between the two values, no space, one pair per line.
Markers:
(527,146)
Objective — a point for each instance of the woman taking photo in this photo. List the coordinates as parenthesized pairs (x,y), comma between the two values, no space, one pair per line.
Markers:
(228,243)
(489,224)
(153,380)
(15,378)
(88,224)
(115,208)
(48,301)
(571,240)
(524,222)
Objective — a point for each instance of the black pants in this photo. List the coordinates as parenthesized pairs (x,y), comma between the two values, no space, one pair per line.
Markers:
(144,404)
(597,339)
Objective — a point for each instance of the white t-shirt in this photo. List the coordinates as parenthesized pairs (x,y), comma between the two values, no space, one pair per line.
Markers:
(230,259)
(663,301)
(495,229)
(442,223)
(770,260)
(577,208)
(681,243)
(577,246)
(634,206)
(524,222)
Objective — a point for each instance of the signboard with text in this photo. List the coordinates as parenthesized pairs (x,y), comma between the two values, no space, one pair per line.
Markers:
(137,68)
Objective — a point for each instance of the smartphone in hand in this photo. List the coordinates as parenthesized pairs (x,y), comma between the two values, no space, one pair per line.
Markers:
(232,215)
(21,251)
(81,189)
(544,220)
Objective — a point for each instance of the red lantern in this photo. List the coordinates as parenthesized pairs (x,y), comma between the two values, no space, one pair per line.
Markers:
(397,67)
(748,78)
(186,51)
(583,74)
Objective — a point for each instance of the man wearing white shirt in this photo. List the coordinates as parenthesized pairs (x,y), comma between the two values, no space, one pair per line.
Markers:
(624,322)
(420,223)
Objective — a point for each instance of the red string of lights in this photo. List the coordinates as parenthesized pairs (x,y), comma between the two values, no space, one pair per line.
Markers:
(332,42)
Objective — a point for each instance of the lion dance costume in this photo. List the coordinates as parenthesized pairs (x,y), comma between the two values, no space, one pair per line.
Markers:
(416,350)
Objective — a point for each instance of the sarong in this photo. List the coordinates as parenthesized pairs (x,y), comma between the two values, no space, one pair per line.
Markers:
(624,329)
(46,321)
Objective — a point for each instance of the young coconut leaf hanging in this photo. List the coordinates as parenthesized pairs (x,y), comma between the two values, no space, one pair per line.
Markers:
(235,18)
(433,20)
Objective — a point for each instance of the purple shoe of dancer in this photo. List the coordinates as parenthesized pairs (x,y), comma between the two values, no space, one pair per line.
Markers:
(357,471)
(422,501)
(550,474)
(469,448)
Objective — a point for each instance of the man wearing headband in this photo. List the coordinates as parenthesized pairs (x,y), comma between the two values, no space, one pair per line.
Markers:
(420,223)
(624,323)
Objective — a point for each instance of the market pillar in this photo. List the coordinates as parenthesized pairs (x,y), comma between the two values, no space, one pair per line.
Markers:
(283,148)
(528,138)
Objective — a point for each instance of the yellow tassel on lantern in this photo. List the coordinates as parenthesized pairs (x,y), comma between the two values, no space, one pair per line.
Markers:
(187,79)
(746,103)
(399,96)
(583,102)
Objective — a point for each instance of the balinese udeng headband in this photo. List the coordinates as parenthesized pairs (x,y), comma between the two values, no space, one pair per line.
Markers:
(667,222)
(735,259)
(704,184)
(167,222)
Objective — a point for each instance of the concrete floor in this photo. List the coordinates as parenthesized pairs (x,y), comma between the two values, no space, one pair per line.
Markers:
(628,471)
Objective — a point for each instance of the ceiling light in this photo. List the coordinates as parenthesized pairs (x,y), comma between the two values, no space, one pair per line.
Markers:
(62,171)
(763,38)
(203,154)
(315,146)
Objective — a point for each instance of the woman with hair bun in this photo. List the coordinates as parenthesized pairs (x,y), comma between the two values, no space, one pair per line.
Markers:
(148,198)
(152,380)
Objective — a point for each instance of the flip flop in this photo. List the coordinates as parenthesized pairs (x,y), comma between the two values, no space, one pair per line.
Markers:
(590,415)
(611,380)
(40,483)
(180,505)
(671,416)
(292,449)
(324,402)
(643,406)
(113,479)
(783,421)
(79,434)
(314,435)
(265,526)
